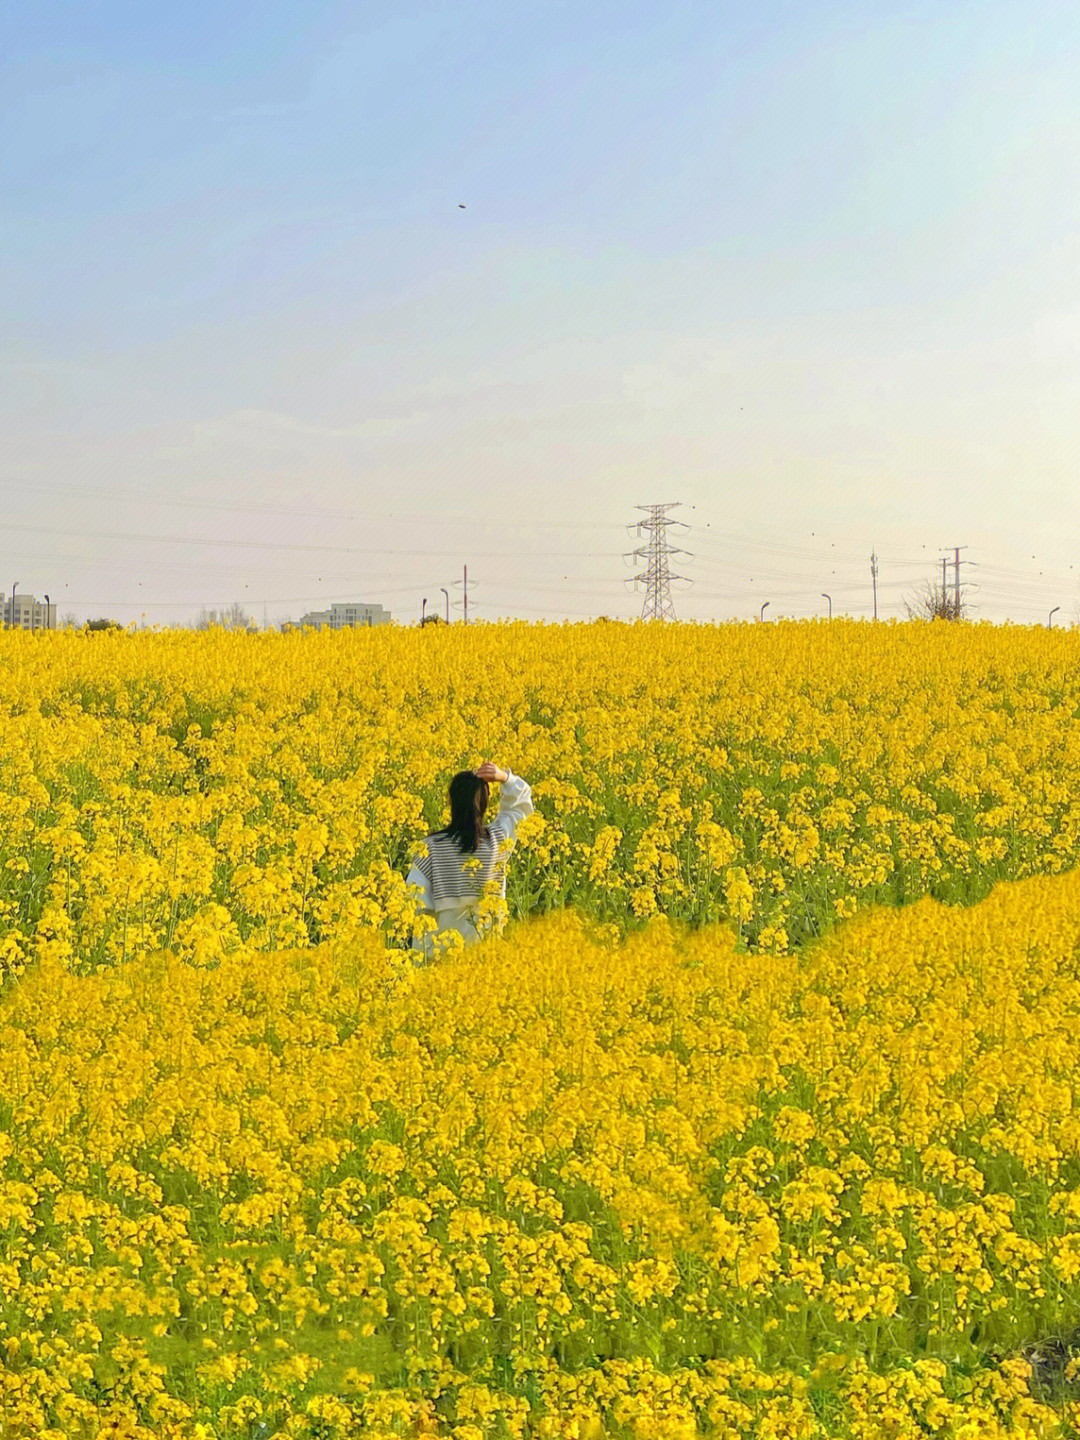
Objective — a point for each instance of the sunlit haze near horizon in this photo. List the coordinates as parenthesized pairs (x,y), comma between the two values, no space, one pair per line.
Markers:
(810,271)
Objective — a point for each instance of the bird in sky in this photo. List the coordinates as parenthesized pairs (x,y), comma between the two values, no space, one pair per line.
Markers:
(461,207)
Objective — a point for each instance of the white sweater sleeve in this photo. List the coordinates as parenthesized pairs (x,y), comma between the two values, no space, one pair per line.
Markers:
(515,802)
(417,877)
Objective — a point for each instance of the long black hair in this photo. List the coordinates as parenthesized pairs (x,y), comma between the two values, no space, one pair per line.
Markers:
(468,802)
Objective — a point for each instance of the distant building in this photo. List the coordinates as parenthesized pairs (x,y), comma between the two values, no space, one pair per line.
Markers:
(30,614)
(346,616)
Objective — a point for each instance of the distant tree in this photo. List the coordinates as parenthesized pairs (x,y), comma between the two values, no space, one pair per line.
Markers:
(237,618)
(69,621)
(433,620)
(103,625)
(233,618)
(936,602)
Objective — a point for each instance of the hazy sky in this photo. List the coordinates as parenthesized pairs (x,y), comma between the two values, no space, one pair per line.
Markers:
(812,270)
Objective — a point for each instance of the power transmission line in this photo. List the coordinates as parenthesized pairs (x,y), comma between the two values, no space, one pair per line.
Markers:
(221,543)
(217,505)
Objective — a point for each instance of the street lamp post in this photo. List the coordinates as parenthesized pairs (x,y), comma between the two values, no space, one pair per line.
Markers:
(423,610)
(447,594)
(1050,620)
(829,599)
(11,620)
(48,622)
(763,609)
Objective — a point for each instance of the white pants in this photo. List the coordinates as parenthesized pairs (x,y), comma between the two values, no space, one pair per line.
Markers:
(458,918)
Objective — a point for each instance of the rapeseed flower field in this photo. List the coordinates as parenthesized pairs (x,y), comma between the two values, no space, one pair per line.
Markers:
(757,1120)
(208,792)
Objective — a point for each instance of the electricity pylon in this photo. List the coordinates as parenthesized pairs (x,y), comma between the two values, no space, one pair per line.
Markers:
(657,578)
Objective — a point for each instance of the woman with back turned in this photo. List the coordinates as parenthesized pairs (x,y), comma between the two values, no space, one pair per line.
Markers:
(466,860)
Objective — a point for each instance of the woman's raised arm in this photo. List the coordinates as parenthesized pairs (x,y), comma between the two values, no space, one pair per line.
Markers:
(515,802)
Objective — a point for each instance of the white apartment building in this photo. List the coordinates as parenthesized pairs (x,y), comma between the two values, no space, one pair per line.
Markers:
(344,616)
(29,614)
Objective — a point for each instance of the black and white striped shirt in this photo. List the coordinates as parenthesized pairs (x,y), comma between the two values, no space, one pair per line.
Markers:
(452,882)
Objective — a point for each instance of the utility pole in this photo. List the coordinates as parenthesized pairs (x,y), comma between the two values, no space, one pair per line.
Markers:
(873,576)
(465,590)
(956,578)
(658,603)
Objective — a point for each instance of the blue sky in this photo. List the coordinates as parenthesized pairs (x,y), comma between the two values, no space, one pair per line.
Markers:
(811,270)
